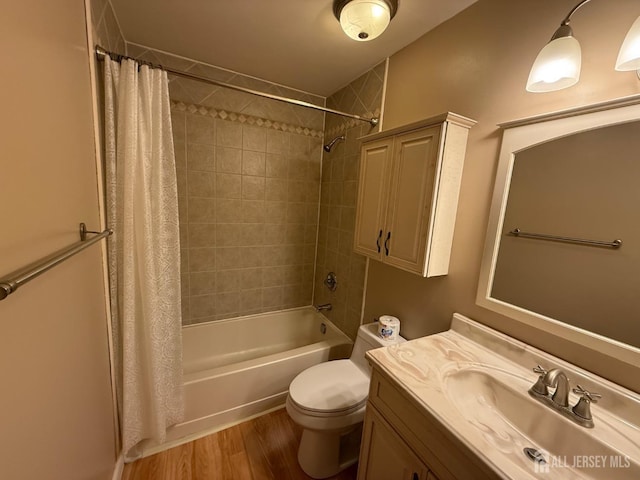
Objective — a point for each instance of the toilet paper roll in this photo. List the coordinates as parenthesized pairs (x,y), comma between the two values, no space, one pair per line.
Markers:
(389,327)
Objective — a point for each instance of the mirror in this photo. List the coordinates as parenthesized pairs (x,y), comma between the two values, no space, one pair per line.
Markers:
(575,176)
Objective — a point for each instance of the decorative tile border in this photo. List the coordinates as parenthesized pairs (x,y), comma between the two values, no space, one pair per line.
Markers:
(350,123)
(245,119)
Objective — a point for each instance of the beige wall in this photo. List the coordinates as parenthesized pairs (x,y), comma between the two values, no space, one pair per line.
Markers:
(57,420)
(477,64)
(339,191)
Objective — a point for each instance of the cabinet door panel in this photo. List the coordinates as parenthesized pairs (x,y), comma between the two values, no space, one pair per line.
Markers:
(385,455)
(372,193)
(415,158)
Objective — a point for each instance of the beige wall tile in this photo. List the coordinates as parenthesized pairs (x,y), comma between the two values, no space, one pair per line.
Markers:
(200,184)
(251,300)
(228,280)
(297,191)
(253,163)
(180,151)
(228,160)
(228,186)
(202,259)
(274,256)
(200,129)
(228,302)
(229,134)
(202,283)
(272,297)
(202,235)
(296,213)
(202,306)
(294,233)
(228,234)
(251,278)
(253,211)
(202,210)
(253,188)
(228,211)
(228,258)
(277,142)
(252,234)
(252,256)
(254,138)
(201,157)
(274,233)
(276,189)
(273,276)
(277,165)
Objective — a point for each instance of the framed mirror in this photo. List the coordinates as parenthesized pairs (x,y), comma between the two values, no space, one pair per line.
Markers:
(562,252)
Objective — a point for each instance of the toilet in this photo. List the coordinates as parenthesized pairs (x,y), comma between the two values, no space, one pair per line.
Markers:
(328,401)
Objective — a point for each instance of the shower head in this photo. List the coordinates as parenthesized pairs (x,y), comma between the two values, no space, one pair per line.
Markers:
(329,146)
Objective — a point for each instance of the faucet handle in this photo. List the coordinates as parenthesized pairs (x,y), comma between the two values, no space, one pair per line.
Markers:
(539,370)
(586,394)
(540,387)
(582,409)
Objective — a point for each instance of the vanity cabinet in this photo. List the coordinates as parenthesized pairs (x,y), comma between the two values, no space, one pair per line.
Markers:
(401,441)
(384,455)
(408,193)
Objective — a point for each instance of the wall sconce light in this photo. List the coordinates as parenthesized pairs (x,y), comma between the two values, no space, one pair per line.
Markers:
(364,20)
(557,66)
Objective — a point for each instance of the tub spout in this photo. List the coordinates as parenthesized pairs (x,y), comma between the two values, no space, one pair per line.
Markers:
(320,308)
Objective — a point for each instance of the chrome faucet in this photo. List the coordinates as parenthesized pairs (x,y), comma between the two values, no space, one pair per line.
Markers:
(556,378)
(325,306)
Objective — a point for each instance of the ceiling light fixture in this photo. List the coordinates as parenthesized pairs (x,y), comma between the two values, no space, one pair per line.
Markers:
(557,66)
(364,20)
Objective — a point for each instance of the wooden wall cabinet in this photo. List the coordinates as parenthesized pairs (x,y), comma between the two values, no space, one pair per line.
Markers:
(408,193)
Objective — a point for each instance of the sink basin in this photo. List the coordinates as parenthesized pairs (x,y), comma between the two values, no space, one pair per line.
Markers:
(496,402)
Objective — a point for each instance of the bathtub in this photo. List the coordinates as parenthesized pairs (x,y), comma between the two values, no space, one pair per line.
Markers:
(239,368)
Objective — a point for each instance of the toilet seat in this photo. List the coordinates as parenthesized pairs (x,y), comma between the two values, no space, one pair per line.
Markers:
(335,388)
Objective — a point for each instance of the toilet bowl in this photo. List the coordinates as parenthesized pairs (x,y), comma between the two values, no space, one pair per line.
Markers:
(328,401)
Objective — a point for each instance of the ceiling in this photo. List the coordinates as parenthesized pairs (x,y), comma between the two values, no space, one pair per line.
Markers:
(296,43)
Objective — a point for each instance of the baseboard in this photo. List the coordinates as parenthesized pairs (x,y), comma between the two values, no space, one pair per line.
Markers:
(202,427)
(119,468)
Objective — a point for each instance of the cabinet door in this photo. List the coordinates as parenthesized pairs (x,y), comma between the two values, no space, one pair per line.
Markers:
(384,455)
(415,161)
(372,197)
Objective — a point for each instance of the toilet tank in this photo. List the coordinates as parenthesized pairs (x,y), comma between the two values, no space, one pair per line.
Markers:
(366,340)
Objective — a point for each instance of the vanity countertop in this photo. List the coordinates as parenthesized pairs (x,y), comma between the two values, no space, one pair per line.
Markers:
(473,381)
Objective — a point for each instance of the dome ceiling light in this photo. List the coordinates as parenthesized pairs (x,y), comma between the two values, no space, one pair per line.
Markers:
(364,20)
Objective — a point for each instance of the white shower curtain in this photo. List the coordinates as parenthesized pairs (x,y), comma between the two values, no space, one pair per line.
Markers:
(144,252)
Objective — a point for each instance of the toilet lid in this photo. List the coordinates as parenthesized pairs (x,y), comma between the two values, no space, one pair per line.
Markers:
(335,386)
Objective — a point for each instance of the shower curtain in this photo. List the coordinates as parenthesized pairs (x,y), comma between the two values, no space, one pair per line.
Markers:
(144,252)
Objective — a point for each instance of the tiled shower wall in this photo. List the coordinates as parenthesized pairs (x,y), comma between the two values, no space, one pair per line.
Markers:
(249,188)
(340,167)
(106,31)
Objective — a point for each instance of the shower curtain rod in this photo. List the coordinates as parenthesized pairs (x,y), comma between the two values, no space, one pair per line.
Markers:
(101,53)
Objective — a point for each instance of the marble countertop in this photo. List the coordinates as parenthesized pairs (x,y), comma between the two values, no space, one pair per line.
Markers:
(424,368)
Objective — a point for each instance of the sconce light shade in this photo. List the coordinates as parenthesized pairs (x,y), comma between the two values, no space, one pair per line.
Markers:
(629,55)
(364,20)
(557,66)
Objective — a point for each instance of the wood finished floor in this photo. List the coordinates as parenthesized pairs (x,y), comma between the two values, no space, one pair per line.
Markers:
(265,448)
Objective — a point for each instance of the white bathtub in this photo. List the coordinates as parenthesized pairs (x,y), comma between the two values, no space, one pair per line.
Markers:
(238,368)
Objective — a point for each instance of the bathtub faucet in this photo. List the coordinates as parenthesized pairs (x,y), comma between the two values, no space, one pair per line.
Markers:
(320,308)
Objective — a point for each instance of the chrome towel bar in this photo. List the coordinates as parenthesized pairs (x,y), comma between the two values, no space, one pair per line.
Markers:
(18,278)
(516,232)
